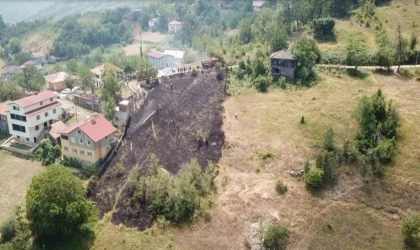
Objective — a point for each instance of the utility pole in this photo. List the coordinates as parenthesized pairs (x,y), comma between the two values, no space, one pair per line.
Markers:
(141,43)
(399,48)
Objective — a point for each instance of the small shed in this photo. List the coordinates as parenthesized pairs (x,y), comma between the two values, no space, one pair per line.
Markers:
(283,64)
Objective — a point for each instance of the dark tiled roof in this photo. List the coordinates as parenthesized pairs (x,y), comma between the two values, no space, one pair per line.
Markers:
(283,54)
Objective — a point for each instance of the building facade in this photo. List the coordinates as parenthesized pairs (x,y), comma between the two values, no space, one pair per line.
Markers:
(178,57)
(56,81)
(4,109)
(283,64)
(39,57)
(98,73)
(174,27)
(257,5)
(161,60)
(8,72)
(88,141)
(28,117)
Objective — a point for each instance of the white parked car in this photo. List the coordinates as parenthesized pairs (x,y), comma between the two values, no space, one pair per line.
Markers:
(66,91)
(75,88)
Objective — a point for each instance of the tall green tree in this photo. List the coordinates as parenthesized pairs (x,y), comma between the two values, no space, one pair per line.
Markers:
(47,152)
(86,78)
(401,49)
(72,66)
(190,27)
(111,87)
(245,31)
(56,204)
(305,52)
(2,28)
(278,40)
(145,70)
(356,52)
(14,46)
(10,91)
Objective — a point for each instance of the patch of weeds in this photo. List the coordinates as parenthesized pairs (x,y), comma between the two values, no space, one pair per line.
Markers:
(267,155)
(281,188)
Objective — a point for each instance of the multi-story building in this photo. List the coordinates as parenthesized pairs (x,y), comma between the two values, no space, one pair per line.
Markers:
(28,117)
(39,57)
(88,141)
(174,26)
(161,60)
(99,71)
(4,109)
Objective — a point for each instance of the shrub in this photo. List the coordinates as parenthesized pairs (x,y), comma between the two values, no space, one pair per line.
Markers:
(385,151)
(281,188)
(327,161)
(411,230)
(314,178)
(47,152)
(329,140)
(56,204)
(302,120)
(323,27)
(8,230)
(261,84)
(275,236)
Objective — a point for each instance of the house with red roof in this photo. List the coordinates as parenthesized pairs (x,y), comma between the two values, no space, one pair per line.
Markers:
(161,60)
(57,81)
(88,141)
(8,72)
(30,116)
(39,57)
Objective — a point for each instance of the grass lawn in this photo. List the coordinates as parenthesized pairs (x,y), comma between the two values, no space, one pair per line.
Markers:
(15,177)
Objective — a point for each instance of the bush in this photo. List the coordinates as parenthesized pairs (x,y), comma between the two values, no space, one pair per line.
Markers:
(329,140)
(261,84)
(332,57)
(281,188)
(385,151)
(411,230)
(47,152)
(323,27)
(314,178)
(275,236)
(327,161)
(8,230)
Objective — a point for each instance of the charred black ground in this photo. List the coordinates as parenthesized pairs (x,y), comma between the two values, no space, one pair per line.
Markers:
(177,124)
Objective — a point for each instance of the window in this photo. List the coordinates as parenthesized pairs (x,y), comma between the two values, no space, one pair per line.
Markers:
(27,139)
(82,152)
(80,141)
(18,117)
(79,132)
(64,137)
(38,117)
(18,128)
(66,148)
(74,150)
(46,114)
(54,111)
(89,154)
(41,103)
(73,139)
(51,99)
(15,108)
(36,127)
(50,121)
(88,142)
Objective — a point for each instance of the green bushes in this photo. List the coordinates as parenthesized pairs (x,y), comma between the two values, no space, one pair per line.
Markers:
(175,198)
(281,188)
(411,230)
(47,152)
(378,122)
(275,236)
(8,230)
(323,27)
(314,178)
(307,53)
(329,140)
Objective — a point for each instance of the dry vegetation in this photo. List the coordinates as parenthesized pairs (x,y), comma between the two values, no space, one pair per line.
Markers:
(41,39)
(352,215)
(15,177)
(403,12)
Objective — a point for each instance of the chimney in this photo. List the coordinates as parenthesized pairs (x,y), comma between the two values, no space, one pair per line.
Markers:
(123,105)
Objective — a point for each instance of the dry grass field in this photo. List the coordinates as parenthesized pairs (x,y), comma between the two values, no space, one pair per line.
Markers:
(403,12)
(41,39)
(352,215)
(15,177)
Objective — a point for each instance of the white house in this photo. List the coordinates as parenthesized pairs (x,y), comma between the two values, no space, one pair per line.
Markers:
(174,26)
(30,63)
(178,57)
(39,57)
(257,5)
(99,71)
(161,60)
(27,117)
(152,22)
(121,113)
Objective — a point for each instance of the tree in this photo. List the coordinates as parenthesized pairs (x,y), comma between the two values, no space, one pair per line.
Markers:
(401,49)
(411,230)
(279,37)
(10,91)
(190,27)
(111,88)
(109,109)
(356,52)
(14,46)
(323,27)
(2,28)
(144,20)
(72,66)
(305,52)
(245,32)
(86,78)
(145,70)
(30,79)
(47,152)
(314,178)
(383,55)
(329,140)
(20,58)
(56,204)
(327,162)
(275,236)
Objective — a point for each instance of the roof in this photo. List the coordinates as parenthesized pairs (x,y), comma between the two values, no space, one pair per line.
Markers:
(96,128)
(10,70)
(4,107)
(38,54)
(156,54)
(258,3)
(57,77)
(30,63)
(56,128)
(175,22)
(101,68)
(43,109)
(125,102)
(175,53)
(283,54)
(34,99)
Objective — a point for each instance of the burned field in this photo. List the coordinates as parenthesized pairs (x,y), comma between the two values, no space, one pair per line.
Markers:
(180,119)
